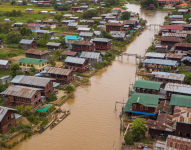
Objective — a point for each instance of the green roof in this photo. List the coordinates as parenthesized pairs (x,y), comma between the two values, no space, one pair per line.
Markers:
(149,100)
(180,100)
(45,108)
(32,61)
(147,84)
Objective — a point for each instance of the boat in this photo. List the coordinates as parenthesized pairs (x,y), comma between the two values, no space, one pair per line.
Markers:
(48,124)
(60,119)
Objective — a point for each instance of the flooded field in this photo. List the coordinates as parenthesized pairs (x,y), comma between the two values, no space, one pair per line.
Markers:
(93,123)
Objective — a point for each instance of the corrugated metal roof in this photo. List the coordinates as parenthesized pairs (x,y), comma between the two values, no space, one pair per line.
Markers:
(84,6)
(82,26)
(176,16)
(68,21)
(36,52)
(180,100)
(3,62)
(69,53)
(183,10)
(53,44)
(44,31)
(171,55)
(59,71)
(31,80)
(186,58)
(68,15)
(3,111)
(118,34)
(147,84)
(74,60)
(97,33)
(82,43)
(183,45)
(26,41)
(101,26)
(167,75)
(91,55)
(86,34)
(182,114)
(161,62)
(20,91)
(178,22)
(179,88)
(176,27)
(129,22)
(183,35)
(101,40)
(171,39)
(72,24)
(84,29)
(153,54)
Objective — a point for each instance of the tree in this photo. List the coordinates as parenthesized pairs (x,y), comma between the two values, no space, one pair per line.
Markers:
(146,3)
(46,36)
(125,15)
(30,21)
(3,87)
(105,34)
(187,78)
(32,69)
(19,13)
(58,17)
(138,128)
(14,68)
(52,62)
(13,129)
(13,3)
(26,31)
(14,13)
(20,109)
(47,28)
(166,69)
(69,88)
(58,53)
(31,73)
(13,37)
(96,22)
(90,13)
(51,97)
(24,2)
(181,69)
(28,110)
(189,39)
(129,138)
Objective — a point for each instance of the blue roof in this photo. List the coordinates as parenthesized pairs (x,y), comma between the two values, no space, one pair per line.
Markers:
(72,37)
(143,113)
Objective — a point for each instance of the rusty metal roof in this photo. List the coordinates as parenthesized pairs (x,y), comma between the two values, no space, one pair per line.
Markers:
(179,88)
(163,106)
(36,52)
(114,24)
(129,22)
(182,114)
(182,35)
(171,55)
(59,71)
(167,75)
(20,91)
(177,143)
(183,45)
(183,31)
(82,43)
(172,39)
(31,80)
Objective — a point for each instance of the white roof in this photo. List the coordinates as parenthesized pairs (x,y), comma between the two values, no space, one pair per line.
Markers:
(161,62)
(3,62)
(75,60)
(153,54)
(84,29)
(179,88)
(91,55)
(167,75)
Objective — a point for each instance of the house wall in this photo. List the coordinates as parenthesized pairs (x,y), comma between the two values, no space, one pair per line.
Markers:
(29,11)
(28,46)
(165,81)
(170,44)
(160,132)
(169,94)
(37,66)
(78,67)
(5,67)
(114,28)
(45,56)
(102,45)
(147,91)
(139,107)
(53,48)
(183,130)
(80,48)
(154,67)
(7,122)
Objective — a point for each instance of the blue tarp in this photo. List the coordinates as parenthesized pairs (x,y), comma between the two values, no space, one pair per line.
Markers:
(143,113)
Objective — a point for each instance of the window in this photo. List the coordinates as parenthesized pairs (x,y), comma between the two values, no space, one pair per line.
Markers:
(148,91)
(180,133)
(154,91)
(9,125)
(187,135)
(12,115)
(36,103)
(143,90)
(138,89)
(39,100)
(35,96)
(146,108)
(134,106)
(8,118)
(141,107)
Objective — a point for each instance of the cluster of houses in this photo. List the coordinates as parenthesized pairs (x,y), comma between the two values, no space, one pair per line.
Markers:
(165,101)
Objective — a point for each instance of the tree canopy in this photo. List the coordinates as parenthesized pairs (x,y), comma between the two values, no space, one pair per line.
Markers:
(26,31)
(13,37)
(58,53)
(125,15)
(14,68)
(146,3)
(69,88)
(90,13)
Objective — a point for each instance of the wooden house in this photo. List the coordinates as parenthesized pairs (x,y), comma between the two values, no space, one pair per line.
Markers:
(5,64)
(79,30)
(76,64)
(142,104)
(102,43)
(72,26)
(182,48)
(27,44)
(90,22)
(161,48)
(170,29)
(114,27)
(132,23)
(34,27)
(66,22)
(62,76)
(186,60)
(163,2)
(92,57)
(7,119)
(119,35)
(86,35)
(44,84)
(16,95)
(158,64)
(50,23)
(69,39)
(52,46)
(148,87)
(84,7)
(167,77)
(27,63)
(170,41)
(18,24)
(186,27)
(75,18)
(75,8)
(5,80)
(41,32)
(38,54)
(153,55)
(171,56)
(80,46)
(29,11)
(175,88)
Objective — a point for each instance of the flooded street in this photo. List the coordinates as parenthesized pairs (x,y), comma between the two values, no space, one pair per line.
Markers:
(93,123)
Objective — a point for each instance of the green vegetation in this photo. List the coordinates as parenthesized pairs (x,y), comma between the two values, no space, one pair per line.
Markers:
(10,54)
(25,111)
(33,119)
(146,3)
(129,138)
(189,39)
(13,129)
(69,88)
(51,97)
(151,49)
(125,15)
(166,69)
(44,122)
(4,73)
(15,68)
(3,87)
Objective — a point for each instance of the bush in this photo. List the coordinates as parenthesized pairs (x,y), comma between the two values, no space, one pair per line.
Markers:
(129,138)
(13,129)
(151,49)
(44,122)
(69,88)
(51,97)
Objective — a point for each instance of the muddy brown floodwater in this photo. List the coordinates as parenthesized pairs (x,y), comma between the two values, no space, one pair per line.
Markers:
(93,123)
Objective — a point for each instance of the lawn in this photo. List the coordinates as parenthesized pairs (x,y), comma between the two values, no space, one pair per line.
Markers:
(4,73)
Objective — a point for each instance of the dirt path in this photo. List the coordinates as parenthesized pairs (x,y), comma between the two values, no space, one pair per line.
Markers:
(59,64)
(16,58)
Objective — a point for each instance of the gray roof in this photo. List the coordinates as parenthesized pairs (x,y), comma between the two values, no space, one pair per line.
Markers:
(178,22)
(19,23)
(101,26)
(186,58)
(68,15)
(54,12)
(176,16)
(53,44)
(91,55)
(167,75)
(126,26)
(68,21)
(75,60)
(3,62)
(31,80)
(25,41)
(97,33)
(29,9)
(73,24)
(101,40)
(4,77)
(83,6)
(86,34)
(44,31)
(38,20)
(118,34)
(179,88)
(3,111)
(74,17)
(161,62)
(183,10)
(84,29)
(157,55)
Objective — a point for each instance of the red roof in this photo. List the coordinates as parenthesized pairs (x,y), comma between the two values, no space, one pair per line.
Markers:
(75,7)
(47,1)
(33,25)
(168,0)
(176,27)
(48,21)
(152,5)
(69,53)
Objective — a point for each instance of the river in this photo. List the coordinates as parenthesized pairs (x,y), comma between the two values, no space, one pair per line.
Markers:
(93,123)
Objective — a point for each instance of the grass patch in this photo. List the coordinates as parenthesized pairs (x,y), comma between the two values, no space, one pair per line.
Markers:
(4,73)
(145,141)
(63,97)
